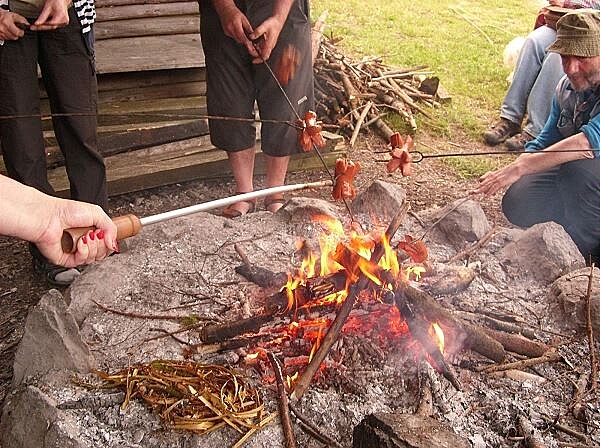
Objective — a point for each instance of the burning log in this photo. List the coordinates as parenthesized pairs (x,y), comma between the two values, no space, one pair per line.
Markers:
(418,329)
(335,328)
(476,338)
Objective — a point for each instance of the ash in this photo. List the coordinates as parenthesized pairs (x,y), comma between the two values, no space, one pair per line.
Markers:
(185,269)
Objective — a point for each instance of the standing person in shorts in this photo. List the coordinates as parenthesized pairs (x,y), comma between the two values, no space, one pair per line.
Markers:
(237,77)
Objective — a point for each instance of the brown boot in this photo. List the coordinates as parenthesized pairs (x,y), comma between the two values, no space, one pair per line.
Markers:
(517,143)
(501,131)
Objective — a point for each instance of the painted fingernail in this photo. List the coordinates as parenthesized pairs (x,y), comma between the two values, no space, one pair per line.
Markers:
(100,234)
(92,235)
(84,239)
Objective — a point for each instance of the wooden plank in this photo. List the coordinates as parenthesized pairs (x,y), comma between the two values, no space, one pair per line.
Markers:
(183,161)
(130,54)
(183,89)
(146,10)
(108,3)
(151,26)
(121,81)
(118,81)
(123,138)
(144,110)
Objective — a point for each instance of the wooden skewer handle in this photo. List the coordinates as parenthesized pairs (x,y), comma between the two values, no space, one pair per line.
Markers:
(127,225)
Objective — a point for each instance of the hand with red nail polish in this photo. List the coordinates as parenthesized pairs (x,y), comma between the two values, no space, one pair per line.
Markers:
(41,219)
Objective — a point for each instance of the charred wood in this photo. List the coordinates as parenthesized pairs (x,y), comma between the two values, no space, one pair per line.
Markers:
(475,337)
(519,344)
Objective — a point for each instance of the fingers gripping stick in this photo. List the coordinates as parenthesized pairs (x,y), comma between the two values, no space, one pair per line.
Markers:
(127,226)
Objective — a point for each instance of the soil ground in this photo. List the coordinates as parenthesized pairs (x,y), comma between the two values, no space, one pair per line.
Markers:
(432,184)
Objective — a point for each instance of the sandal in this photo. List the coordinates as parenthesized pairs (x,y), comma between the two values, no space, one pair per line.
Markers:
(274,200)
(230,212)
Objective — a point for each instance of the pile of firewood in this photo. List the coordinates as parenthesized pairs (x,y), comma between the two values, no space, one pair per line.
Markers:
(352,95)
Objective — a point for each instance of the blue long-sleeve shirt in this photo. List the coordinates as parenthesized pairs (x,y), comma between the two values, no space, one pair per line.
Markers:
(571,113)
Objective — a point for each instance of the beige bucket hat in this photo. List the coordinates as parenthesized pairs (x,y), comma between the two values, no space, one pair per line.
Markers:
(578,34)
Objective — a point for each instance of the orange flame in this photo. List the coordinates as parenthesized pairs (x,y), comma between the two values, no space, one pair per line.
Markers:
(437,334)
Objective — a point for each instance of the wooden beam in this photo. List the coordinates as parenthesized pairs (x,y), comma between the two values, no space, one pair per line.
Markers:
(107,3)
(150,26)
(156,10)
(130,54)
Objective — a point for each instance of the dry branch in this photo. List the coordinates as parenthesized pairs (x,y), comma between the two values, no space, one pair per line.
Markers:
(308,427)
(284,410)
(590,332)
(474,247)
(343,87)
(551,356)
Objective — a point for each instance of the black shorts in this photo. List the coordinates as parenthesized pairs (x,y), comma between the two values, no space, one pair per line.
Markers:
(234,82)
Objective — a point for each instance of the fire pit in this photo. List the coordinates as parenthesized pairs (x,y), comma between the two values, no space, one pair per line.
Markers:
(417,349)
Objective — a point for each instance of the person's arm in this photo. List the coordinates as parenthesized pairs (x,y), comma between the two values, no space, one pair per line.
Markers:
(549,133)
(536,162)
(270,29)
(36,217)
(54,14)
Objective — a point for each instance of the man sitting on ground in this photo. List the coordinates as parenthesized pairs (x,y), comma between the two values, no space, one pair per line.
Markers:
(535,77)
(549,185)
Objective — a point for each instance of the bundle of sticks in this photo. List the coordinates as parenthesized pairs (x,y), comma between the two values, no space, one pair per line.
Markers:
(353,95)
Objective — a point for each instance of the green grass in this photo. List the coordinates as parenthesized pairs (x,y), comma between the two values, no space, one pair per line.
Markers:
(442,35)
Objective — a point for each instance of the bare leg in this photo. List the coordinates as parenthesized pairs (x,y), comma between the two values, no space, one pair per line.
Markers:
(276,171)
(242,165)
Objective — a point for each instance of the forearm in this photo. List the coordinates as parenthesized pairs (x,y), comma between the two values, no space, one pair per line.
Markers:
(19,205)
(282,8)
(223,5)
(539,161)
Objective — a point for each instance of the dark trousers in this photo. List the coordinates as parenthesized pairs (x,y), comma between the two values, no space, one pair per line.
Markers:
(66,60)
(568,194)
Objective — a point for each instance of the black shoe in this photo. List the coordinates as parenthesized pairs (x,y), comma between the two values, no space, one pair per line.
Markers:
(517,143)
(501,131)
(54,274)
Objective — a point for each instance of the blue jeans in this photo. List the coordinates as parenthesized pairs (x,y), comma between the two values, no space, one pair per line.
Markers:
(536,75)
(568,194)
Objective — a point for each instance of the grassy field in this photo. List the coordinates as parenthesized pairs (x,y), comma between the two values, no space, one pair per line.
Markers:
(461,41)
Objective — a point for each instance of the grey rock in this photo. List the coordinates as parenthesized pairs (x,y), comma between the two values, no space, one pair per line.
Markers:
(30,420)
(51,341)
(544,251)
(301,209)
(569,292)
(380,199)
(465,223)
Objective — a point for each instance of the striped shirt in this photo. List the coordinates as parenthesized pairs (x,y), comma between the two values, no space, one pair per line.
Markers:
(85,12)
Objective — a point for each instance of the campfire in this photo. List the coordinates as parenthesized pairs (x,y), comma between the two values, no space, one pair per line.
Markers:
(352,267)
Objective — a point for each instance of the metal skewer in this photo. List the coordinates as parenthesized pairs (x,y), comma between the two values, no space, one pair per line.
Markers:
(130,225)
